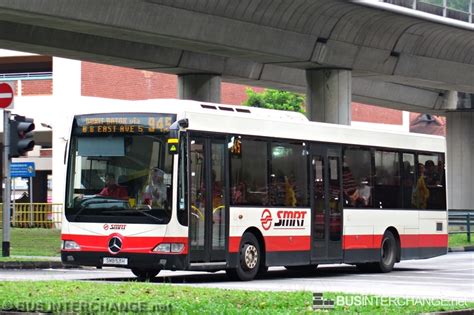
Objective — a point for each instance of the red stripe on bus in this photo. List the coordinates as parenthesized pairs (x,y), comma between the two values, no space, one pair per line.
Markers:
(277,243)
(234,243)
(406,241)
(361,241)
(424,240)
(287,243)
(131,244)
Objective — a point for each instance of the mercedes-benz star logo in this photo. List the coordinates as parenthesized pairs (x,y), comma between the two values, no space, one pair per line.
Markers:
(115,245)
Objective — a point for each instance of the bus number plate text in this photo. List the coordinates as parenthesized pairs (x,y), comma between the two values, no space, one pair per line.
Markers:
(115,261)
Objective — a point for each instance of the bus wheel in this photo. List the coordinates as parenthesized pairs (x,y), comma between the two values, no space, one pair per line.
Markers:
(388,253)
(249,259)
(145,274)
(388,256)
(302,268)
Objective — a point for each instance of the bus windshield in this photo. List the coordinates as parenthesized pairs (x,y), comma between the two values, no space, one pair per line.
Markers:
(119,170)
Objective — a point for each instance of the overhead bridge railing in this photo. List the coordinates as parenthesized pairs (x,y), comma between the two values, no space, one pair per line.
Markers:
(35,215)
(460,222)
(455,9)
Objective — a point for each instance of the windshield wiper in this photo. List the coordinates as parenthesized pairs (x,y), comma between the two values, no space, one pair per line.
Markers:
(89,201)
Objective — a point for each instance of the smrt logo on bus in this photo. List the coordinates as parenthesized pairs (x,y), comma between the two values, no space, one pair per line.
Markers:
(114,226)
(287,219)
(290,219)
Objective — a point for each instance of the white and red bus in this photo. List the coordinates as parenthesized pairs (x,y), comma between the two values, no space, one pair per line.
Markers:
(201,186)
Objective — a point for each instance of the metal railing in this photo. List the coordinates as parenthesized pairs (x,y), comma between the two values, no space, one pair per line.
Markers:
(39,215)
(26,76)
(462,220)
(462,11)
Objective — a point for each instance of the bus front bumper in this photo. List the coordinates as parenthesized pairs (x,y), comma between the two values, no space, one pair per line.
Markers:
(124,260)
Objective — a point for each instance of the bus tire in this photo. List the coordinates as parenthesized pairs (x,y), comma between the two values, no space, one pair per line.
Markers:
(249,259)
(388,256)
(145,274)
(388,253)
(302,268)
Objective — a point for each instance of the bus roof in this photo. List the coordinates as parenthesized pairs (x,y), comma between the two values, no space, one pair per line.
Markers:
(244,120)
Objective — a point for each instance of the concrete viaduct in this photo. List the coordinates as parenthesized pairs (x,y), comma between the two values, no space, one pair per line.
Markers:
(335,51)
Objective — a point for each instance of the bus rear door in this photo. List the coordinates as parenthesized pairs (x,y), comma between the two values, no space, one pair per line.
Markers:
(326,203)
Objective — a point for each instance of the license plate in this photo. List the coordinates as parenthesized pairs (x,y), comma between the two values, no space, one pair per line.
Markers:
(115,261)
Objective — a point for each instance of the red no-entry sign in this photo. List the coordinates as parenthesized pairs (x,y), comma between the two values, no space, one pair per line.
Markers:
(6,95)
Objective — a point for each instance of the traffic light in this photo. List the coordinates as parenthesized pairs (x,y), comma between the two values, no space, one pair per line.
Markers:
(21,136)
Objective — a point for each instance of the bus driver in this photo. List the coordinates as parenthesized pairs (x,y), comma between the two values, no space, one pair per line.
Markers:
(111,188)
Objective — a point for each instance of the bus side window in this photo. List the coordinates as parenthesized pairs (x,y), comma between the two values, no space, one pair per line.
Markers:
(433,173)
(248,171)
(408,179)
(289,184)
(357,175)
(387,180)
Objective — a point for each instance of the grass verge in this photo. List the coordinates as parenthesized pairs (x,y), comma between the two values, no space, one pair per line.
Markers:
(106,298)
(457,240)
(23,259)
(35,242)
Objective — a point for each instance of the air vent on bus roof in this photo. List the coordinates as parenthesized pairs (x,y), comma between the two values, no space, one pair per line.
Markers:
(227,109)
(241,110)
(208,106)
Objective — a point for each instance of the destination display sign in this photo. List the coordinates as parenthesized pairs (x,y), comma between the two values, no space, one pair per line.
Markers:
(105,124)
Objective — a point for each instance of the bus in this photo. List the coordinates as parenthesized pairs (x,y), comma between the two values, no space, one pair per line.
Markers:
(208,187)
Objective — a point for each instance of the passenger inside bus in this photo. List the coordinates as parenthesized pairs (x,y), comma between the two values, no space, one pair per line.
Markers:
(361,196)
(431,174)
(111,188)
(239,193)
(421,193)
(155,192)
(349,184)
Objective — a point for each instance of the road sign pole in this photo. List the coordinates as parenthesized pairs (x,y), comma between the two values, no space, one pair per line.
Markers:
(30,182)
(13,200)
(6,183)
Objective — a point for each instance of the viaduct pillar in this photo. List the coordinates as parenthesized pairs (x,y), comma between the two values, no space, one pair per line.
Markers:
(460,159)
(328,96)
(200,87)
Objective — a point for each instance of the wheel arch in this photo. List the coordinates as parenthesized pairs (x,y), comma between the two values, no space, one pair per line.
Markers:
(261,242)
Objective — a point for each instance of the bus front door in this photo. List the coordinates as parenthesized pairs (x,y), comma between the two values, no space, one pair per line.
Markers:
(207,221)
(326,204)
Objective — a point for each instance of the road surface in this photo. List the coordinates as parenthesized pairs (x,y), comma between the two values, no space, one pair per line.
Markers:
(446,277)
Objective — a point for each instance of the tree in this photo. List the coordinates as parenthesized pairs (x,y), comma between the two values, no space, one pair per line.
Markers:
(275,99)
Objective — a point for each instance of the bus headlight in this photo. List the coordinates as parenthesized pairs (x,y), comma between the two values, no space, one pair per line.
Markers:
(177,247)
(169,248)
(71,245)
